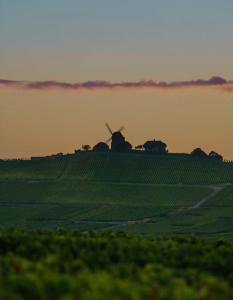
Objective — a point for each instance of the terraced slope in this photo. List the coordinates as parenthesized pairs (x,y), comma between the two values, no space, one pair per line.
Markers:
(90,205)
(129,192)
(116,167)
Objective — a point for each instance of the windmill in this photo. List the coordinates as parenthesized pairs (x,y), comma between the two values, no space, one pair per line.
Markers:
(113,133)
(117,139)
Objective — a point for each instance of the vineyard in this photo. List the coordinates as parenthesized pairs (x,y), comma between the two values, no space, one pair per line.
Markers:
(116,167)
(72,265)
(116,226)
(137,193)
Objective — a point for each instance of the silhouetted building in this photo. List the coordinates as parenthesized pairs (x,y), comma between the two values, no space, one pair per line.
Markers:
(119,143)
(117,140)
(157,147)
(127,146)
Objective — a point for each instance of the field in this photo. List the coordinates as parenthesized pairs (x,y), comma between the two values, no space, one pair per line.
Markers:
(70,265)
(125,226)
(147,194)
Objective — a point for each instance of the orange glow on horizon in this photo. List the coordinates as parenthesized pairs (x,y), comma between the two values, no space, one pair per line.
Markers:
(34,123)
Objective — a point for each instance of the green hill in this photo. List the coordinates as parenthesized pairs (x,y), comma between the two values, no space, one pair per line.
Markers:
(149,194)
(146,168)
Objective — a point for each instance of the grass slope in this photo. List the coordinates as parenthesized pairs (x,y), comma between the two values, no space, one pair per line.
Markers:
(148,194)
(117,167)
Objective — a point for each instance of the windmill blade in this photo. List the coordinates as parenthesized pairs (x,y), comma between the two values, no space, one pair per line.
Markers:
(109,128)
(122,128)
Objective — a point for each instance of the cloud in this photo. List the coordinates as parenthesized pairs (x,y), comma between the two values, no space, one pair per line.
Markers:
(214,82)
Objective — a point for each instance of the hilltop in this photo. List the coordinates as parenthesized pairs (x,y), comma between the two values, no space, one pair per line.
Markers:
(147,194)
(121,167)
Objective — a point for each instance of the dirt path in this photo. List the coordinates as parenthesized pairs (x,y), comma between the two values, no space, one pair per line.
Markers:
(154,184)
(216,189)
(114,224)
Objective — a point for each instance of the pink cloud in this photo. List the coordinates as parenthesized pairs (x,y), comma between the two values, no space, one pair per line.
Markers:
(215,81)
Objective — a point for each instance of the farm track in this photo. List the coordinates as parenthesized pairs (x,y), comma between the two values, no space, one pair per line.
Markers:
(146,220)
(216,190)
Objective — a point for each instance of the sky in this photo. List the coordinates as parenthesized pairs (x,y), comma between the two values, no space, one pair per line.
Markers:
(69,66)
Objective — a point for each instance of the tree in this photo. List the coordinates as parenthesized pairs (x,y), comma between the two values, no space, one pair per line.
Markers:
(86,147)
(101,147)
(198,152)
(215,155)
(76,151)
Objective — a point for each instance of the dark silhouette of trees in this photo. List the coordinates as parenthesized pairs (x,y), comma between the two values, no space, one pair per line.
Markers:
(76,151)
(198,152)
(119,144)
(215,155)
(86,147)
(101,147)
(154,146)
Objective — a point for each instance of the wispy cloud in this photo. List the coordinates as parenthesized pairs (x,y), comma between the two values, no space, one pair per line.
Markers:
(214,82)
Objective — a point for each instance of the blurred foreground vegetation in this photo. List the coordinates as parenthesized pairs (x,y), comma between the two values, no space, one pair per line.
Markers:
(72,265)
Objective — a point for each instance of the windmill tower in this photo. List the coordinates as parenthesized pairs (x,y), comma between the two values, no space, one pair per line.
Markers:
(117,139)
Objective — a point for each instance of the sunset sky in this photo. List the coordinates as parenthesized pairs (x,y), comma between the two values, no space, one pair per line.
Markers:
(69,66)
